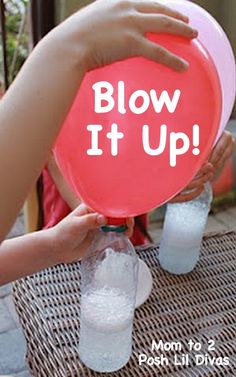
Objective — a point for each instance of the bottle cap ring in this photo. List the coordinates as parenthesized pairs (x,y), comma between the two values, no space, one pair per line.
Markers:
(114,228)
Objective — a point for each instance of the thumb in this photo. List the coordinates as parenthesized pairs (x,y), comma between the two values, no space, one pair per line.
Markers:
(81,210)
(91,221)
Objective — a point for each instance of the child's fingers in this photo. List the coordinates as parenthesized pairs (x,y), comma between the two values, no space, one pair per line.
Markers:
(188,196)
(156,7)
(81,210)
(205,174)
(165,24)
(195,183)
(129,233)
(223,149)
(130,225)
(161,55)
(130,222)
(218,152)
(207,168)
(226,155)
(90,221)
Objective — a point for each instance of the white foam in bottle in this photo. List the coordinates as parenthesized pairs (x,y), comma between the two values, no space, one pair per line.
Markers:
(182,234)
(108,293)
(105,330)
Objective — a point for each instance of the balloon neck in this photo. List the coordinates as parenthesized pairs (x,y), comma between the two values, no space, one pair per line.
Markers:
(116,221)
(115,225)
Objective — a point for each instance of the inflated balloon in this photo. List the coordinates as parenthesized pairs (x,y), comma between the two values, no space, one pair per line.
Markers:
(216,42)
(138,132)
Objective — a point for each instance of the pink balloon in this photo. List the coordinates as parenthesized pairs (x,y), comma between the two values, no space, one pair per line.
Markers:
(216,42)
(130,180)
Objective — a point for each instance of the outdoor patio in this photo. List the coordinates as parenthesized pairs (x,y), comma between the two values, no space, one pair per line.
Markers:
(43,16)
(12,346)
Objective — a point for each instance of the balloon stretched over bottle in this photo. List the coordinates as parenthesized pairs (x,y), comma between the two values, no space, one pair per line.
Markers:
(138,132)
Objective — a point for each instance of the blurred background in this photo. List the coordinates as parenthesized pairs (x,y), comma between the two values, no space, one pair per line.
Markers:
(23,24)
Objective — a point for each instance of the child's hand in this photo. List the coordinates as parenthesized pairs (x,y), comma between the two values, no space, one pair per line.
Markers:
(196,186)
(114,30)
(72,236)
(222,152)
(210,170)
(130,225)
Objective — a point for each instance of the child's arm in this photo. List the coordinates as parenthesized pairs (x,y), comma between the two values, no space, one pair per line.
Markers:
(24,255)
(63,243)
(36,104)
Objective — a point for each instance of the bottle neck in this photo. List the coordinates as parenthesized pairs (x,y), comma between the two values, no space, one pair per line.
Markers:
(117,225)
(114,228)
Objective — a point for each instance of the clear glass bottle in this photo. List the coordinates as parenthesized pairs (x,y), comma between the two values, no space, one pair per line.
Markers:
(182,234)
(109,274)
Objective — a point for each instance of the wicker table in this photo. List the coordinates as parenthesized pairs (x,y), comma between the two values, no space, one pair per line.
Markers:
(199,306)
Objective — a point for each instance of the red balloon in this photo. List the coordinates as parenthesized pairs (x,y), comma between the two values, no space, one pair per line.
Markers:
(129,175)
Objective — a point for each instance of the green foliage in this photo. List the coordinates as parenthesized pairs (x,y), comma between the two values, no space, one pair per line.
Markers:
(17,35)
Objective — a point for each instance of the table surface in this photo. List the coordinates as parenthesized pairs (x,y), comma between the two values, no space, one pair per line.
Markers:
(199,306)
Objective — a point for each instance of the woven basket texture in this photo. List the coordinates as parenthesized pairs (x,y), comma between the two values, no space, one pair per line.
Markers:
(200,306)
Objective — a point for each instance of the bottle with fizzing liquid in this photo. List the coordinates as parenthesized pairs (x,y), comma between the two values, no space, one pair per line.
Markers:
(109,274)
(182,234)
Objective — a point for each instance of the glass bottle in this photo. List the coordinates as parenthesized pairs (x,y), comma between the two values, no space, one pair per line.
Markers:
(109,274)
(182,234)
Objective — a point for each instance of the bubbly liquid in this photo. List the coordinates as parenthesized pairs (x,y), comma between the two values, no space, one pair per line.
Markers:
(182,235)
(178,260)
(105,330)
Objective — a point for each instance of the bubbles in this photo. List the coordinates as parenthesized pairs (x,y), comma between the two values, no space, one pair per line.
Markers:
(113,309)
(108,292)
(115,270)
(105,329)
(182,234)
